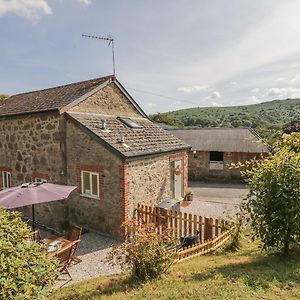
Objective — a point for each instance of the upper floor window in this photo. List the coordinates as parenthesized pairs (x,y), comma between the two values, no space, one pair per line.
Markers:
(90,184)
(6,177)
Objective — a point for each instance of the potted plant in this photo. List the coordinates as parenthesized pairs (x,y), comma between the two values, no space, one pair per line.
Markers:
(189,195)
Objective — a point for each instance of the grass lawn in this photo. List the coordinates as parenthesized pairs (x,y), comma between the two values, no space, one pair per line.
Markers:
(245,274)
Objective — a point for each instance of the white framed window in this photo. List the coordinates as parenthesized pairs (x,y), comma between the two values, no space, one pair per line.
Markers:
(37,179)
(90,184)
(6,177)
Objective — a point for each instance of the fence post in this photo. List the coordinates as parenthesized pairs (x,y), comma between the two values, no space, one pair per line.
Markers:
(201,229)
(180,223)
(207,228)
(190,225)
(185,224)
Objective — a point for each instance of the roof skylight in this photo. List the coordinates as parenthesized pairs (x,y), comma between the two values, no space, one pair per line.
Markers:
(129,122)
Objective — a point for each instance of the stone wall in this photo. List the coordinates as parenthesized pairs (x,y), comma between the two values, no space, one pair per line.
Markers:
(84,153)
(34,145)
(110,100)
(199,165)
(149,180)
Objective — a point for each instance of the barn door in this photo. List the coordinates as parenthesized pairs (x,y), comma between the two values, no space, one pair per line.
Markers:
(176,179)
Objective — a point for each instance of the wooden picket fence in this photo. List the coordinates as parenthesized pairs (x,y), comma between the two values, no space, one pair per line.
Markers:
(203,248)
(212,232)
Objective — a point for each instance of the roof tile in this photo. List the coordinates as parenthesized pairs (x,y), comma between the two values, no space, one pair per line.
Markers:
(48,99)
(148,139)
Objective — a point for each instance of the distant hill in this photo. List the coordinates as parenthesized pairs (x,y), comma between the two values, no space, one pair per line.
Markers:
(267,118)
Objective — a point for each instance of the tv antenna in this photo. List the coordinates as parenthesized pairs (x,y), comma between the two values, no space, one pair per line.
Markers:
(110,42)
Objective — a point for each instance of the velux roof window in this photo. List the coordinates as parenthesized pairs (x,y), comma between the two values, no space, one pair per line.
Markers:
(129,122)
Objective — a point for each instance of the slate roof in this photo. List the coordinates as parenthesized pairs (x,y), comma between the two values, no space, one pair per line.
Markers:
(146,140)
(48,99)
(222,139)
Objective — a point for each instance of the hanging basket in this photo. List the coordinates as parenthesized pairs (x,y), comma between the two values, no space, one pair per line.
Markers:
(177,171)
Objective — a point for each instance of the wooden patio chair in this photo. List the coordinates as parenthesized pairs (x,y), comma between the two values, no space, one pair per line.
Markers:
(74,234)
(36,236)
(65,257)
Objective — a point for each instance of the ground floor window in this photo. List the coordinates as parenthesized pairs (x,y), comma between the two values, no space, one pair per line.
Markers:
(216,156)
(90,184)
(6,177)
(216,160)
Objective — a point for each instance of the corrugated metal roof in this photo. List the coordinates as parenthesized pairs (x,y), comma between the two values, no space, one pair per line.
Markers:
(222,139)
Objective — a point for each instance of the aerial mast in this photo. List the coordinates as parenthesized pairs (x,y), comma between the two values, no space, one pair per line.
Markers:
(110,42)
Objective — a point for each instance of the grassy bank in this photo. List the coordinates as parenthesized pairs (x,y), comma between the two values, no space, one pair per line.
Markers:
(246,274)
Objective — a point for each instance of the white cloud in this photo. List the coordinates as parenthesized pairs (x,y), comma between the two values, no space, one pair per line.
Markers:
(262,38)
(252,99)
(30,9)
(193,89)
(281,92)
(293,92)
(295,79)
(288,92)
(255,90)
(86,2)
(212,97)
(281,79)
(216,104)
(215,95)
(152,104)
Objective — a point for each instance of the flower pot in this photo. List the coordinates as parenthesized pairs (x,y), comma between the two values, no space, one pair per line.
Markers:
(189,197)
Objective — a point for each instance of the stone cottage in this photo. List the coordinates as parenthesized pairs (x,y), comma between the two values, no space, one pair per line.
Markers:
(214,149)
(91,134)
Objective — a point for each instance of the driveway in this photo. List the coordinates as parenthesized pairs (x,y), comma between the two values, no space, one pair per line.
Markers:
(216,200)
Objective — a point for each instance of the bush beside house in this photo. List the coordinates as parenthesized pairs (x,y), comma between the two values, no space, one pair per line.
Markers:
(273,203)
(26,270)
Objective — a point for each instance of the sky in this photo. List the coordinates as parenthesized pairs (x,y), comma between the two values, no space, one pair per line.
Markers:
(170,54)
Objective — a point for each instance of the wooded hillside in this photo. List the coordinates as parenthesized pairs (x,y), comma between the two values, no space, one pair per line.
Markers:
(267,118)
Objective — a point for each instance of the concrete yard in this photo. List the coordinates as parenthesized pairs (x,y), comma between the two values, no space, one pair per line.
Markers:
(215,200)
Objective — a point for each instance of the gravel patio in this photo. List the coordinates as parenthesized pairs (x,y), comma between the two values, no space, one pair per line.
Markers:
(92,250)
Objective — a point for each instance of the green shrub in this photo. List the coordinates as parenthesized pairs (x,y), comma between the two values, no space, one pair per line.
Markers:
(273,202)
(26,270)
(145,253)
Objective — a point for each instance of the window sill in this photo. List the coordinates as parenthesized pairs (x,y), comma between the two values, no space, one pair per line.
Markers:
(90,196)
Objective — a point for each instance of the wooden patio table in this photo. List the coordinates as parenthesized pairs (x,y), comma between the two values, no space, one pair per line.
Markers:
(65,243)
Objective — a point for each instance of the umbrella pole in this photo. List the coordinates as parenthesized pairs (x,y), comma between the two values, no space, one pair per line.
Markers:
(33,221)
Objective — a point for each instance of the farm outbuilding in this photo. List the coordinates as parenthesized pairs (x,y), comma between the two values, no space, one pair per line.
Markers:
(214,149)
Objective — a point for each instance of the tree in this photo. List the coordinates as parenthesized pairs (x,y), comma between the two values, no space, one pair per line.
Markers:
(3,97)
(165,118)
(292,127)
(26,269)
(273,202)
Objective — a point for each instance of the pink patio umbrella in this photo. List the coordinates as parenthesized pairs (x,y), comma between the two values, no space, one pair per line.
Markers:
(33,193)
